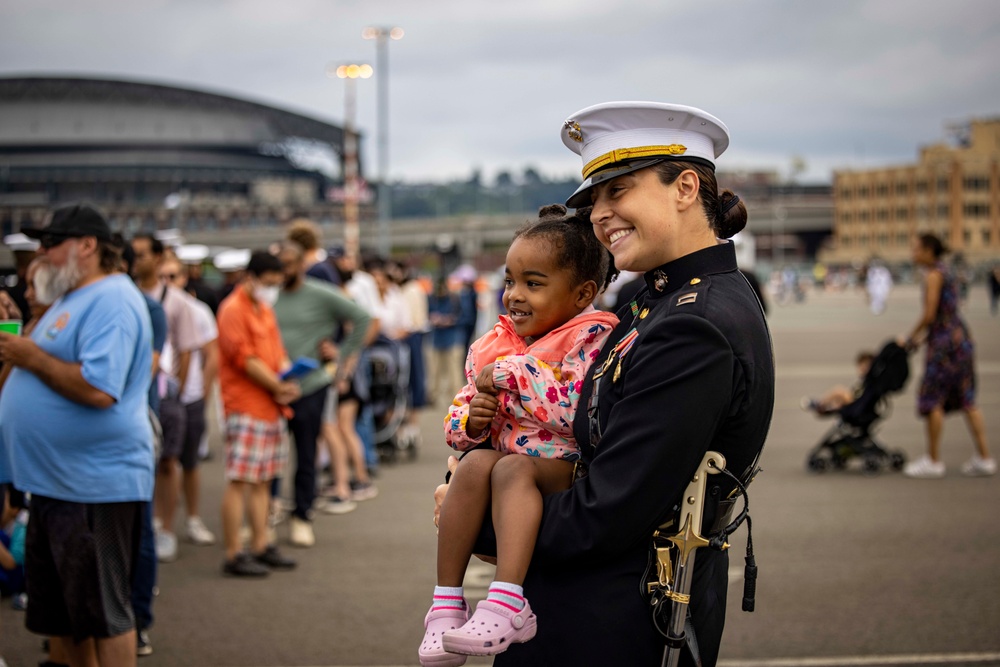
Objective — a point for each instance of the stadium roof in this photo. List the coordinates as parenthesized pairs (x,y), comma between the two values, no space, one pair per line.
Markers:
(101,110)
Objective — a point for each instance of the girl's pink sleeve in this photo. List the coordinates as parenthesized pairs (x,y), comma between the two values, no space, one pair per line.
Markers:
(549,396)
(458,413)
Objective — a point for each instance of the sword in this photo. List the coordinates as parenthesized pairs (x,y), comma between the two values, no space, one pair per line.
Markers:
(685,542)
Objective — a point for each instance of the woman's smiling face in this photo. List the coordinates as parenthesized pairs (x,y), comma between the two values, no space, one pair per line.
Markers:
(631,217)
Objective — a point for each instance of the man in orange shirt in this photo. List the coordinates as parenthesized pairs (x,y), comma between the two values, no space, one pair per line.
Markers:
(255,400)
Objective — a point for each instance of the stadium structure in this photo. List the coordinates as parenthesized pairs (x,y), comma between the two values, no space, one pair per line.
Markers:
(155,156)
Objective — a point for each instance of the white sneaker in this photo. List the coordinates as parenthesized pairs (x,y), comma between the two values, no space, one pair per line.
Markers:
(365,491)
(335,505)
(979,467)
(301,534)
(197,533)
(924,468)
(166,547)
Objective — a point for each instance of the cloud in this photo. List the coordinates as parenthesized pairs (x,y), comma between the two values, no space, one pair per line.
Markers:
(476,84)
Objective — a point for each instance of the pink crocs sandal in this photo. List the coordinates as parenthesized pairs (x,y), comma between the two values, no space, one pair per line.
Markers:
(491,630)
(437,621)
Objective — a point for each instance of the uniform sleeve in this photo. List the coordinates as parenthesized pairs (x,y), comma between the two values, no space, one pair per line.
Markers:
(676,392)
(547,395)
(458,414)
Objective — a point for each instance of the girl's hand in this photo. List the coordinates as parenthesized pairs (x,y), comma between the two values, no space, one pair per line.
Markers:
(484,380)
(482,409)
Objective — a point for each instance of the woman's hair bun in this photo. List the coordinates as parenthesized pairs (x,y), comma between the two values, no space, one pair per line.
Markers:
(731,217)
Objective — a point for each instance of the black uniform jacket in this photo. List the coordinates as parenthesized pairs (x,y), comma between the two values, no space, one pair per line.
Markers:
(699,376)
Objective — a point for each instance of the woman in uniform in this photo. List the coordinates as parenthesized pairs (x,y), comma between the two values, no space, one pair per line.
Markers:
(689,369)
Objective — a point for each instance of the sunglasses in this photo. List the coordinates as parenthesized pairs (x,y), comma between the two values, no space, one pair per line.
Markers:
(49,241)
(168,276)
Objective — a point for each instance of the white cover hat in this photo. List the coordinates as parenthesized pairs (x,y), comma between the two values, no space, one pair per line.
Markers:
(20,243)
(191,253)
(616,138)
(231,260)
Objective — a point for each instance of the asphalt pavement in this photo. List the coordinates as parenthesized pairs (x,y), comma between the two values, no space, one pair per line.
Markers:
(854,569)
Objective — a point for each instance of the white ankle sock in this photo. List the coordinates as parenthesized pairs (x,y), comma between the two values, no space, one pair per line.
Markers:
(508,595)
(448,597)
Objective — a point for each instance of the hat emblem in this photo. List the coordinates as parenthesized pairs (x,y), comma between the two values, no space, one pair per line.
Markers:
(574,131)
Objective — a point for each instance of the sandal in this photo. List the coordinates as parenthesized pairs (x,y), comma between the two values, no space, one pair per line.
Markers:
(437,621)
(491,630)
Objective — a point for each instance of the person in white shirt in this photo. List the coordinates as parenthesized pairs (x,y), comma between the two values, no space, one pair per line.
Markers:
(202,373)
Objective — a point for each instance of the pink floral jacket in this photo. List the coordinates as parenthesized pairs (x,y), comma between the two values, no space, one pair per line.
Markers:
(538,384)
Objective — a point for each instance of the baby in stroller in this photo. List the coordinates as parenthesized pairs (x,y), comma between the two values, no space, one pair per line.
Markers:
(858,411)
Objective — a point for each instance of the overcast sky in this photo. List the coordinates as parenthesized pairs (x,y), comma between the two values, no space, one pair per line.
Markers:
(487,84)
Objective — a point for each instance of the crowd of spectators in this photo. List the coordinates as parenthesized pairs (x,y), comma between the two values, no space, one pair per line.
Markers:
(121,358)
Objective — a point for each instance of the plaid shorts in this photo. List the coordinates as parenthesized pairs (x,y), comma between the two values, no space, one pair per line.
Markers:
(256,450)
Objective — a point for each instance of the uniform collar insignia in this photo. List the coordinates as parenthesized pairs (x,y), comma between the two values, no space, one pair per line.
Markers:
(705,262)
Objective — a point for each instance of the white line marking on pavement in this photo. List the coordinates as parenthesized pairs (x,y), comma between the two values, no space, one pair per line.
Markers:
(844,661)
(864,661)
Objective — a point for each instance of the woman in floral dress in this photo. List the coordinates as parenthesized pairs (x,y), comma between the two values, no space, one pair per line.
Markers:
(949,381)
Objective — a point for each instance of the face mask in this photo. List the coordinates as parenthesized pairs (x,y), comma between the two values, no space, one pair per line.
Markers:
(265,294)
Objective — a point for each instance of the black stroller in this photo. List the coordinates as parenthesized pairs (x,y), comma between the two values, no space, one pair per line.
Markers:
(852,436)
(389,362)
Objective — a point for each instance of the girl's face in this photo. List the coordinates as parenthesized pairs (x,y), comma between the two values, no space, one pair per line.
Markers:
(540,295)
(634,219)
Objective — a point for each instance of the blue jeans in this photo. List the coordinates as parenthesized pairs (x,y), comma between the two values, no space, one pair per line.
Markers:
(366,431)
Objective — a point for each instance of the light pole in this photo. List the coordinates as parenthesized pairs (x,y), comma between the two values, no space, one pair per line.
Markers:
(382,37)
(350,73)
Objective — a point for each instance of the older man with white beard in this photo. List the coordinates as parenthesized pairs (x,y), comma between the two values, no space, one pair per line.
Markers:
(74,433)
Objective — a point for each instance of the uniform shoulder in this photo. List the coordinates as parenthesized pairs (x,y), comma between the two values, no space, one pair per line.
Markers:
(692,297)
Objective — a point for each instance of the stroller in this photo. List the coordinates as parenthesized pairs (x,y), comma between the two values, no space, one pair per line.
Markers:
(852,436)
(389,395)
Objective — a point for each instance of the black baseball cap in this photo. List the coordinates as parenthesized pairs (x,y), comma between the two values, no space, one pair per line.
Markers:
(73,221)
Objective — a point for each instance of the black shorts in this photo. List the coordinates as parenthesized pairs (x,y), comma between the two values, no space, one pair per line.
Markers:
(194,428)
(173,418)
(79,559)
(350,395)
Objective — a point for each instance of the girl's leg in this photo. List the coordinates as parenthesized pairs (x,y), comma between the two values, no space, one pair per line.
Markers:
(974,418)
(519,484)
(462,514)
(836,398)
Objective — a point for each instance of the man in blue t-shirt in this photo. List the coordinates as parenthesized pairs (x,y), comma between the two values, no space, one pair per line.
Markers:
(88,463)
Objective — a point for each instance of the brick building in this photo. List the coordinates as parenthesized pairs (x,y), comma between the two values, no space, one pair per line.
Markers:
(952,191)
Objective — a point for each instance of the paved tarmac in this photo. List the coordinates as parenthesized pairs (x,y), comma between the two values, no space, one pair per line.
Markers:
(854,569)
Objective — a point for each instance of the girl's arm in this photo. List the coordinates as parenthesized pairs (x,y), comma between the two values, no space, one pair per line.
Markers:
(457,419)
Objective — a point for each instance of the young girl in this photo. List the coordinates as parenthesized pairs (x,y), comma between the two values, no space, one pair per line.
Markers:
(524,379)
